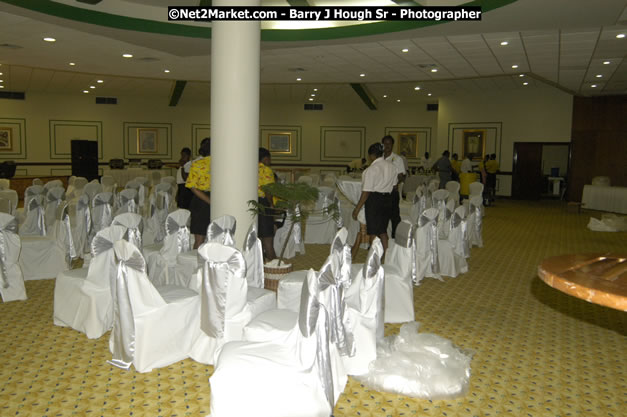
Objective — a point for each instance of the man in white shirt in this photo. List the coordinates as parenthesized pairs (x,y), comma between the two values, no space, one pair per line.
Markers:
(183,195)
(426,163)
(397,161)
(466,164)
(378,182)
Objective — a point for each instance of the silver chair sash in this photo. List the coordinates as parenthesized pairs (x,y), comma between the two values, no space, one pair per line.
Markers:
(134,235)
(217,234)
(123,331)
(405,238)
(9,227)
(313,318)
(129,202)
(253,244)
(459,221)
(373,270)
(182,234)
(83,214)
(106,203)
(215,281)
(478,216)
(36,204)
(64,218)
(100,244)
(338,333)
(432,235)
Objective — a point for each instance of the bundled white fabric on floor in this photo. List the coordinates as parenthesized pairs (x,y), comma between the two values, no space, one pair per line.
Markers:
(426,244)
(608,223)
(364,315)
(152,327)
(419,365)
(399,270)
(224,310)
(300,376)
(11,278)
(161,258)
(82,297)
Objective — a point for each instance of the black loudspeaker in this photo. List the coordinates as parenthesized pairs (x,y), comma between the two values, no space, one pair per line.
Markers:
(85,159)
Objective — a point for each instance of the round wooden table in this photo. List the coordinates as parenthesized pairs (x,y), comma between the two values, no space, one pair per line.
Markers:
(596,278)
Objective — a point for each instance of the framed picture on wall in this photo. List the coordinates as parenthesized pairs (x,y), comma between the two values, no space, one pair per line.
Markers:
(6,143)
(147,140)
(473,144)
(408,144)
(280,142)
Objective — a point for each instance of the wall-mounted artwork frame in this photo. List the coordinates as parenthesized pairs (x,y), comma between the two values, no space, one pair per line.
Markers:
(408,143)
(280,142)
(473,144)
(6,139)
(147,141)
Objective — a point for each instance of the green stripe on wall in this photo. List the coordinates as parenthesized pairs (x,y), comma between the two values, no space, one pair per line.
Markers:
(364,94)
(177,92)
(269,35)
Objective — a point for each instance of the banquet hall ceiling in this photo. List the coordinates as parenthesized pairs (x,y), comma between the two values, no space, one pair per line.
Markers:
(568,44)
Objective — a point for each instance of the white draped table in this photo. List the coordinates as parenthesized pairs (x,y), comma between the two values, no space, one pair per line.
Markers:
(122,176)
(599,197)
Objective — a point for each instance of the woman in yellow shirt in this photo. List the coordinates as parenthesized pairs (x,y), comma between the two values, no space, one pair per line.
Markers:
(265,222)
(199,181)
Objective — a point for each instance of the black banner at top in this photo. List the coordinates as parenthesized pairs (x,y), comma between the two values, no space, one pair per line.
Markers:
(353,13)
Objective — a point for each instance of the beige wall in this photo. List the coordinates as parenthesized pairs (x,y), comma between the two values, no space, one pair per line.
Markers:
(44,124)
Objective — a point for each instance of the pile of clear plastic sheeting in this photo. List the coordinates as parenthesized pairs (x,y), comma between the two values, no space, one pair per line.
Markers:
(420,365)
(608,223)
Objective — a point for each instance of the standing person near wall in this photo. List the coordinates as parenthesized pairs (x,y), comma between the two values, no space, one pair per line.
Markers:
(397,161)
(183,194)
(199,182)
(457,167)
(265,221)
(484,180)
(491,167)
(444,169)
(378,182)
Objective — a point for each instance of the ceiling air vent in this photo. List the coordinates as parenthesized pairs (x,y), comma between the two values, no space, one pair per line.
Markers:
(432,106)
(106,100)
(13,95)
(314,106)
(148,59)
(10,46)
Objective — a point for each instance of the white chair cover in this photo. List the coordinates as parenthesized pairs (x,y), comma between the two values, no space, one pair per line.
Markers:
(38,181)
(5,184)
(82,224)
(92,189)
(305,179)
(11,278)
(128,201)
(53,184)
(101,210)
(5,205)
(452,252)
(458,235)
(365,312)
(351,189)
(453,188)
(439,198)
(299,376)
(400,270)
(134,224)
(31,192)
(433,185)
(419,204)
(75,188)
(426,244)
(142,190)
(35,222)
(54,198)
(160,203)
(64,234)
(12,197)
(82,297)
(475,221)
(224,311)
(253,255)
(475,188)
(295,242)
(321,228)
(152,328)
(155,177)
(169,180)
(161,258)
(108,184)
(222,230)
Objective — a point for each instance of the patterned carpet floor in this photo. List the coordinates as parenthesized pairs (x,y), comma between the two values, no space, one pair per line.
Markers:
(538,352)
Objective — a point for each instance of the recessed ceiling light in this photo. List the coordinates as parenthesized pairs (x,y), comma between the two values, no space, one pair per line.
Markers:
(416,88)
(429,94)
(92,86)
(385,96)
(166,71)
(85,91)
(1,86)
(514,66)
(620,35)
(1,81)
(49,39)
(606,62)
(525,83)
(398,100)
(127,55)
(521,75)
(362,75)
(599,76)
(504,43)
(313,95)
(311,99)
(315,89)
(99,81)
(593,86)
(0,73)
(434,70)
(72,64)
(299,79)
(404,50)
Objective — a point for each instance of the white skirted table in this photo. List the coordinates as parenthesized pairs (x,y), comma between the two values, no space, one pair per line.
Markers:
(605,198)
(122,176)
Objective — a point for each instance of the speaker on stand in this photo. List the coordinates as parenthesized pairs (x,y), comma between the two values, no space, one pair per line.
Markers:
(85,159)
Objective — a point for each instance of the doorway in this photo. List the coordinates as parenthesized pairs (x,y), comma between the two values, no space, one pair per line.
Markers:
(540,169)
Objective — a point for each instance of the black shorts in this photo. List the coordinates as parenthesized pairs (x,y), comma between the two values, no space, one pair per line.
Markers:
(183,196)
(265,222)
(491,180)
(378,210)
(201,215)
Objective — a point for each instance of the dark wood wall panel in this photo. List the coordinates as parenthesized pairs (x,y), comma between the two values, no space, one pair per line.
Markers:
(599,142)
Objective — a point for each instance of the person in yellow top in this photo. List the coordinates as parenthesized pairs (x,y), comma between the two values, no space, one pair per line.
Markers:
(265,221)
(491,167)
(457,167)
(199,182)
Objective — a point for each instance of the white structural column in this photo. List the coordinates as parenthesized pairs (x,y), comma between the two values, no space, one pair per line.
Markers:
(235,67)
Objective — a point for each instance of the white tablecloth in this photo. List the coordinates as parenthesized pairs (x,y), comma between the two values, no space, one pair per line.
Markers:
(414,181)
(612,199)
(122,176)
